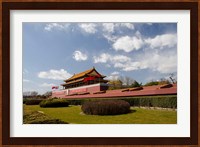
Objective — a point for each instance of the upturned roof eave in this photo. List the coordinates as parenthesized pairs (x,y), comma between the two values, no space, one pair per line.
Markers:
(82,74)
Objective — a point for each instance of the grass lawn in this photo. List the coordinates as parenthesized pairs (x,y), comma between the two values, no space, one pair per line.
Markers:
(74,115)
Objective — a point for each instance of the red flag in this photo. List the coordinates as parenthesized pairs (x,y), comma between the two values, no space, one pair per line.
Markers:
(54,87)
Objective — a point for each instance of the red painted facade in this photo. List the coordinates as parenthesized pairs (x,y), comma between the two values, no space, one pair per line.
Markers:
(146,91)
(90,88)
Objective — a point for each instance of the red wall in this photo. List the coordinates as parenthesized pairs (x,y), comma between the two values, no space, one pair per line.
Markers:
(91,90)
(88,89)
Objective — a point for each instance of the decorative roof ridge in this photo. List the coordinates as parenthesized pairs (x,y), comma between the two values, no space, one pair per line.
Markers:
(81,74)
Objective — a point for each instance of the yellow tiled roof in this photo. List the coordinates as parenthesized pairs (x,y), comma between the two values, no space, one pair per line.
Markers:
(75,76)
(70,82)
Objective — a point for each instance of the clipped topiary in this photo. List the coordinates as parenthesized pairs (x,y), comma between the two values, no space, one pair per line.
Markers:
(54,103)
(106,107)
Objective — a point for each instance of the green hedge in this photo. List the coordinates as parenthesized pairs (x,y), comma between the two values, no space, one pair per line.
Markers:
(24,100)
(81,101)
(54,103)
(32,101)
(169,101)
(77,101)
(106,107)
(163,102)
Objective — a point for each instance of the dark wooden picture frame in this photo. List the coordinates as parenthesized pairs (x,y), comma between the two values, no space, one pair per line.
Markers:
(192,140)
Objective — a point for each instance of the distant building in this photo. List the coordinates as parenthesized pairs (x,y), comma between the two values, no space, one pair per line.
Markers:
(87,81)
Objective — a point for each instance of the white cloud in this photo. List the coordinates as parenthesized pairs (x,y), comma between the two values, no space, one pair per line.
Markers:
(108,27)
(129,66)
(79,56)
(120,58)
(136,42)
(128,25)
(128,44)
(105,57)
(118,61)
(54,74)
(88,27)
(158,63)
(115,73)
(161,41)
(118,65)
(47,85)
(110,37)
(132,66)
(163,62)
(58,26)
(113,76)
(138,34)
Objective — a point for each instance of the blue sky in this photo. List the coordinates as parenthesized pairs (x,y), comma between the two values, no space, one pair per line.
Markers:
(53,52)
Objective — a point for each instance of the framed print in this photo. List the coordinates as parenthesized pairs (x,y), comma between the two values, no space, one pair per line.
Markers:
(100,73)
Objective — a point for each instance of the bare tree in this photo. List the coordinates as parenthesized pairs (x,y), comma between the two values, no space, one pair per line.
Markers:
(122,80)
(128,81)
(30,94)
(115,84)
(34,93)
(136,84)
(163,81)
(171,76)
(48,93)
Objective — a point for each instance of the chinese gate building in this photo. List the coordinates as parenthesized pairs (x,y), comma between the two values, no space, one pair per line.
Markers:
(91,84)
(85,82)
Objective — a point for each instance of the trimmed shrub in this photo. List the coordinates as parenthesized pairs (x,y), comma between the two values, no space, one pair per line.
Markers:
(33,101)
(161,101)
(54,103)
(106,107)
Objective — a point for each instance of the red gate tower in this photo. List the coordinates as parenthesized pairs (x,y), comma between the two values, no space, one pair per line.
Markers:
(88,81)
